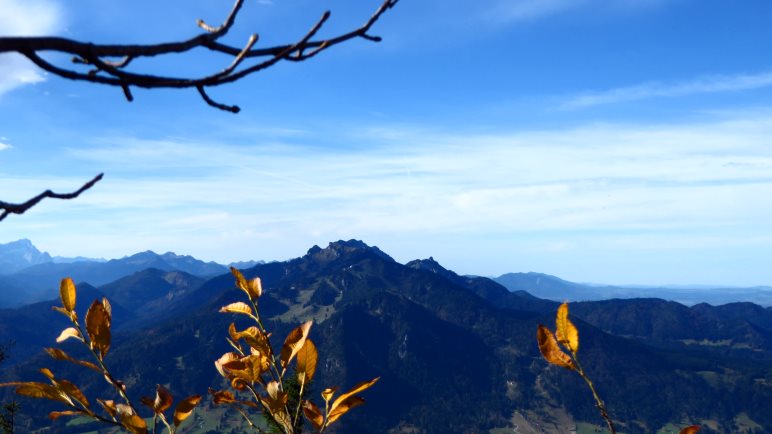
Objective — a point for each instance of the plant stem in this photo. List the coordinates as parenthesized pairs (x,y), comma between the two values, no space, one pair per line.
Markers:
(300,402)
(598,402)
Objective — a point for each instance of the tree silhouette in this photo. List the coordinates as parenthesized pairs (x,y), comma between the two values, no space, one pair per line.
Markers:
(98,68)
(115,73)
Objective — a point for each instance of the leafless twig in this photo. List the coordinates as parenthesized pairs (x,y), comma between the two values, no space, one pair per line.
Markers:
(20,208)
(113,73)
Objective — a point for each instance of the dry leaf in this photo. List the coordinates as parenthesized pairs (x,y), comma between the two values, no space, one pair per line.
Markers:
(98,321)
(238,307)
(72,391)
(312,413)
(328,393)
(109,406)
(222,396)
(185,408)
(690,429)
(307,358)
(343,407)
(57,414)
(67,294)
(565,330)
(356,389)
(294,342)
(58,354)
(549,348)
(69,332)
(252,289)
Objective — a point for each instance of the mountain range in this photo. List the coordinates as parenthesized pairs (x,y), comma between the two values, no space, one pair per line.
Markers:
(554,288)
(455,353)
(27,275)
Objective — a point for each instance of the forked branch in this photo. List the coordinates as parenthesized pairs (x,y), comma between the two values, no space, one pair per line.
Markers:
(114,73)
(20,208)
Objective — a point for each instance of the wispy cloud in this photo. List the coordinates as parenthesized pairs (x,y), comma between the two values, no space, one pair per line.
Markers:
(699,85)
(526,10)
(619,188)
(601,178)
(25,18)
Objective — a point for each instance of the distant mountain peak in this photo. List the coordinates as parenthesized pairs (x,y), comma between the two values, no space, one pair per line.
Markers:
(20,254)
(429,264)
(340,248)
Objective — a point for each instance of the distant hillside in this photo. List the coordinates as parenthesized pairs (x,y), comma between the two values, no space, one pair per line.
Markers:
(554,288)
(40,280)
(456,354)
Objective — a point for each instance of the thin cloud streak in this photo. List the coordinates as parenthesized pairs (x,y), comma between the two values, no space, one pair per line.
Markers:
(690,184)
(700,85)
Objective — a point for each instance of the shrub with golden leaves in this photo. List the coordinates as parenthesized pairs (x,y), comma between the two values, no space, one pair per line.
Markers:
(253,369)
(566,337)
(97,338)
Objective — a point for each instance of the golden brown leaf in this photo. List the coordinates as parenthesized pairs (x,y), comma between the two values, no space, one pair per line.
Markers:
(690,429)
(565,330)
(57,414)
(307,358)
(185,408)
(549,348)
(161,402)
(69,332)
(328,393)
(343,407)
(109,406)
(34,389)
(163,399)
(64,311)
(294,342)
(238,307)
(356,389)
(72,391)
(248,368)
(256,339)
(58,354)
(225,358)
(255,286)
(133,423)
(276,403)
(47,372)
(67,294)
(222,396)
(312,413)
(98,321)
(253,290)
(108,307)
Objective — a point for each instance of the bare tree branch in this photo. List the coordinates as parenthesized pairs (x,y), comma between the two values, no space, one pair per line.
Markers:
(20,208)
(113,73)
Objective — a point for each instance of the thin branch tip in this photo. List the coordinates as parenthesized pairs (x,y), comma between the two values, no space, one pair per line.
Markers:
(112,73)
(20,208)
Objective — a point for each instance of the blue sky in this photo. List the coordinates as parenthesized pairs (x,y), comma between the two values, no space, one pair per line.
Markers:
(625,141)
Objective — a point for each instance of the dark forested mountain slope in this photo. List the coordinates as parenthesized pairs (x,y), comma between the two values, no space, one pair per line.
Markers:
(456,354)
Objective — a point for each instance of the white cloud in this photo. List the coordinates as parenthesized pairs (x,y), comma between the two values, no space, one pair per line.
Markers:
(598,178)
(698,187)
(25,18)
(699,85)
(525,10)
